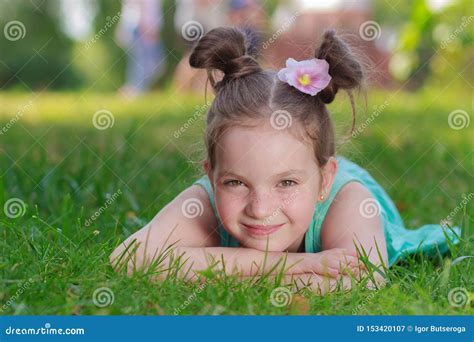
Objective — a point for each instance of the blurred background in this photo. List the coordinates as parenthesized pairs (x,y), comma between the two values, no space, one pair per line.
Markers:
(134,46)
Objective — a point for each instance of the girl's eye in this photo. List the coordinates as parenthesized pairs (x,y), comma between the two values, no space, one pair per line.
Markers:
(288,183)
(233,182)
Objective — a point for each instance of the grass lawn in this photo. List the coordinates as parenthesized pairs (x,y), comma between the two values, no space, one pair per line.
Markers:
(62,170)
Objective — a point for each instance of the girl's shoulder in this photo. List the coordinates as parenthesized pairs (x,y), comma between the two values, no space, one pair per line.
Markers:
(195,206)
(186,221)
(354,218)
(353,193)
(349,198)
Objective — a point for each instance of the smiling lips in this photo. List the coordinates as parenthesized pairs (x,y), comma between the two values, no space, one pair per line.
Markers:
(262,229)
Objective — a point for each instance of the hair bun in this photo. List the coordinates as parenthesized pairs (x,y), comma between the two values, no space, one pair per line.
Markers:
(344,67)
(241,66)
(227,49)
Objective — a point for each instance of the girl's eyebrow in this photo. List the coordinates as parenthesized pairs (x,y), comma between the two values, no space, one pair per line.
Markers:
(282,174)
(290,172)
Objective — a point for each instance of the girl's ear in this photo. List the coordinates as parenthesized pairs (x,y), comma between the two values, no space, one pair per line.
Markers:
(208,171)
(328,173)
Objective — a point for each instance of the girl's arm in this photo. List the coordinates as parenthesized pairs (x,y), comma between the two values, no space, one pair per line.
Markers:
(172,234)
(354,219)
(247,262)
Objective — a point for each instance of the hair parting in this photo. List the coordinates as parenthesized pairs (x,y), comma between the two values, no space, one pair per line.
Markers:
(248,92)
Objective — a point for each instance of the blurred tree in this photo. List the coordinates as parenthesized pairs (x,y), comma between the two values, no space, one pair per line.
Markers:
(417,37)
(34,52)
(433,34)
(99,58)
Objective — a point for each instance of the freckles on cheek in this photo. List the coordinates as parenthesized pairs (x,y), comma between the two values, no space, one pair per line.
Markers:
(229,206)
(301,209)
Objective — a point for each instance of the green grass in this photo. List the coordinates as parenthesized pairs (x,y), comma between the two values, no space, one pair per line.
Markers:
(63,169)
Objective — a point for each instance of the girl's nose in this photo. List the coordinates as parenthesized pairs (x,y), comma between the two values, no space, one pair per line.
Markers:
(259,205)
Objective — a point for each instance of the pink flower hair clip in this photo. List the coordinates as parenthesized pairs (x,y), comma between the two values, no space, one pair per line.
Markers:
(309,76)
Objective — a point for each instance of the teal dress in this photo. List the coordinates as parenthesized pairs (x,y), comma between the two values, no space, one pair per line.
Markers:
(428,238)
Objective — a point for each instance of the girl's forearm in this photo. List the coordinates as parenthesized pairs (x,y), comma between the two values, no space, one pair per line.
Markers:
(245,261)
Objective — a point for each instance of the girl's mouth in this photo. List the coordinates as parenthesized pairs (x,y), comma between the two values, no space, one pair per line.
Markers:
(262,230)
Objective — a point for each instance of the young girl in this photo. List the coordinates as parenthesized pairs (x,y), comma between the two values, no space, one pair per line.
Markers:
(274,186)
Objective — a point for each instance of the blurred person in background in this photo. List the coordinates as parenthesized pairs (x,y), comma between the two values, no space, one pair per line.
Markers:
(196,17)
(138,33)
(249,15)
(192,19)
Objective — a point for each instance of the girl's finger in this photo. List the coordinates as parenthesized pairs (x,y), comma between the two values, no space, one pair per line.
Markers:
(327,271)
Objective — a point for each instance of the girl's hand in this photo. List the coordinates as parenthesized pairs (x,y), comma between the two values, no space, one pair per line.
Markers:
(332,262)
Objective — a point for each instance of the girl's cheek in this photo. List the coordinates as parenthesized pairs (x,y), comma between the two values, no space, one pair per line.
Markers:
(300,207)
(229,206)
(298,193)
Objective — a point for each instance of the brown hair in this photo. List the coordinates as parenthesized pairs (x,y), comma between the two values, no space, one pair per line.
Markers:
(246,91)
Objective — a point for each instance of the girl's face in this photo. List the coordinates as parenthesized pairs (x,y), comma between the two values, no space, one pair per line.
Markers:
(266,184)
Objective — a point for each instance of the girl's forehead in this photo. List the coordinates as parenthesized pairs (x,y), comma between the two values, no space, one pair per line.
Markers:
(263,145)
(263,131)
